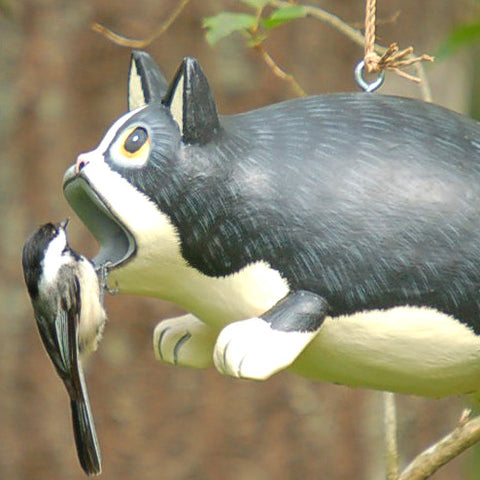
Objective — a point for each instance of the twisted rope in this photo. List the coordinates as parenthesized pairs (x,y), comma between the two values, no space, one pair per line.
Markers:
(393,59)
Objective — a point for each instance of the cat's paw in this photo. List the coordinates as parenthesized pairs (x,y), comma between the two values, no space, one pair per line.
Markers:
(253,349)
(184,341)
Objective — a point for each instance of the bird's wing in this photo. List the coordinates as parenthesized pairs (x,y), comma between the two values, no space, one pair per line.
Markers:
(68,340)
(55,339)
(55,332)
(83,426)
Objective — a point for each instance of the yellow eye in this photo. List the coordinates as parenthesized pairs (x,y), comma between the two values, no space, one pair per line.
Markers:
(136,144)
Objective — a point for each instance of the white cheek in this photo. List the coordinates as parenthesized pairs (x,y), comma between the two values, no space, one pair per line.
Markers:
(113,130)
(54,259)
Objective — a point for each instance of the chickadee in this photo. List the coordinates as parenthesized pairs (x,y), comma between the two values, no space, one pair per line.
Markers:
(67,303)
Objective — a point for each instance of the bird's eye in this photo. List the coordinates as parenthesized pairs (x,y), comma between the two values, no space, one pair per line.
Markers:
(136,140)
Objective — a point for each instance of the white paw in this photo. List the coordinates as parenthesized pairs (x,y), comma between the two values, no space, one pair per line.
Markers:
(252,349)
(184,341)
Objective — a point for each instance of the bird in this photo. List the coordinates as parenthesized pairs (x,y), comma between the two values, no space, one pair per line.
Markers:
(67,301)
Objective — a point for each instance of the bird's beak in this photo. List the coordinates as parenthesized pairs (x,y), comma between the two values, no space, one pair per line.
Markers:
(64,223)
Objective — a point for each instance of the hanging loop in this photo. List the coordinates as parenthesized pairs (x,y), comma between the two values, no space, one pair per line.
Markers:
(368,87)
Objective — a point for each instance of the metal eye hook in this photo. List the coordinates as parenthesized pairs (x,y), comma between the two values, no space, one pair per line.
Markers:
(368,87)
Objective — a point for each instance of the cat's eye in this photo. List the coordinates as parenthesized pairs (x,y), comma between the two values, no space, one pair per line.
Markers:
(133,147)
(136,140)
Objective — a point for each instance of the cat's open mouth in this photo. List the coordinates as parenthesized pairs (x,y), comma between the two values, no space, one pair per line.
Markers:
(117,244)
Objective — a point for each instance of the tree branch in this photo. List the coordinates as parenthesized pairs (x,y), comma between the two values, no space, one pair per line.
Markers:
(390,428)
(279,72)
(133,43)
(466,434)
(337,23)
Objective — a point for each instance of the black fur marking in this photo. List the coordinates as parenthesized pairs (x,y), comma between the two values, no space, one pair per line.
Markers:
(200,118)
(370,201)
(299,311)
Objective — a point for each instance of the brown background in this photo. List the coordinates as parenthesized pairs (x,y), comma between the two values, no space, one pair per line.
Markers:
(60,87)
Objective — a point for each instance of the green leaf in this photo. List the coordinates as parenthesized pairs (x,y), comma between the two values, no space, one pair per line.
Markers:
(226,23)
(284,15)
(460,37)
(257,4)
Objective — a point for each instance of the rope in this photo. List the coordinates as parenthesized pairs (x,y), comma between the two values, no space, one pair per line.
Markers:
(393,59)
(370,58)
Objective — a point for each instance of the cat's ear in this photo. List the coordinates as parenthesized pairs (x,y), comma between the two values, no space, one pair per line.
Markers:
(146,83)
(191,103)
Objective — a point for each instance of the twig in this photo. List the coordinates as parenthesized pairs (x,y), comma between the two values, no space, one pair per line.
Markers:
(279,72)
(428,462)
(133,43)
(424,84)
(380,21)
(390,428)
(256,43)
(337,23)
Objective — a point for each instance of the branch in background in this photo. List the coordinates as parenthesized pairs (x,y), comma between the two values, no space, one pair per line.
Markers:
(334,21)
(256,28)
(294,11)
(390,433)
(424,84)
(133,43)
(380,21)
(257,39)
(428,462)
(279,72)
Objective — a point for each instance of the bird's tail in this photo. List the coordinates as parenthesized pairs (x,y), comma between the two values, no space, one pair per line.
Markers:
(88,449)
